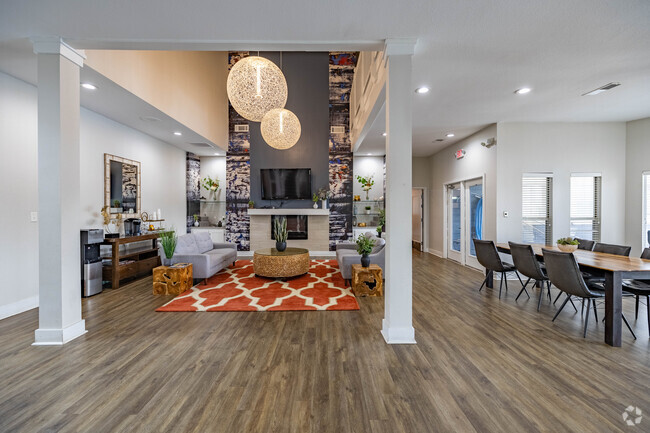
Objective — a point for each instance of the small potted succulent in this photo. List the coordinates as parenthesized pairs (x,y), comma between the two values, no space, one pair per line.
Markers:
(280,233)
(168,241)
(364,247)
(315,199)
(568,245)
(251,204)
(368,209)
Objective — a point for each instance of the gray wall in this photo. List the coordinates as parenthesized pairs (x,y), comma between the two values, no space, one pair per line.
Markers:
(307,76)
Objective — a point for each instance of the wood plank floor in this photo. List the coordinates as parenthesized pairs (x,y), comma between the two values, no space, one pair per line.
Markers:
(481,365)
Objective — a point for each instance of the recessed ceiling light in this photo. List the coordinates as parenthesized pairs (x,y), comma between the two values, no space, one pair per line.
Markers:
(383,134)
(523,90)
(178,133)
(422,90)
(89,86)
(602,89)
(451,134)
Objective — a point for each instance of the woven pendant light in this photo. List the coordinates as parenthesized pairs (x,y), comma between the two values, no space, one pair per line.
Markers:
(256,85)
(280,128)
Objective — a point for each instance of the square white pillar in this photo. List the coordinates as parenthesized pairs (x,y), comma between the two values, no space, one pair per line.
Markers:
(58,193)
(397,327)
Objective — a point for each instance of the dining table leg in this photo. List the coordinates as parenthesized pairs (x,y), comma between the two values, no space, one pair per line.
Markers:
(489,275)
(613,308)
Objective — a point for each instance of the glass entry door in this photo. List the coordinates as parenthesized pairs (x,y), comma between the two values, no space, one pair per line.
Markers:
(473,219)
(464,220)
(454,222)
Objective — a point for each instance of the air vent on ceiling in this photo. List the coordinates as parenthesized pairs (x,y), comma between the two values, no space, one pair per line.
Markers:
(440,139)
(201,144)
(337,130)
(149,119)
(241,128)
(602,89)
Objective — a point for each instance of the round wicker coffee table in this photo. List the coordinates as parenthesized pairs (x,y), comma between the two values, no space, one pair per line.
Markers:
(272,263)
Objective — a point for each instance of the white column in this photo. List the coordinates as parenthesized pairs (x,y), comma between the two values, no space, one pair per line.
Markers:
(59,317)
(398,302)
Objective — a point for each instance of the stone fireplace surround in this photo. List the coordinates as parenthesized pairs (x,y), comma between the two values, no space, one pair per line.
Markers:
(318,228)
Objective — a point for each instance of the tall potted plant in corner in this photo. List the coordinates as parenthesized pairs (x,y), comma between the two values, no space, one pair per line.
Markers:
(280,233)
(364,247)
(168,241)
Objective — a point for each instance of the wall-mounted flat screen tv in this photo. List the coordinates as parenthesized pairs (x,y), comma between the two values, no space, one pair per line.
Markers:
(286,183)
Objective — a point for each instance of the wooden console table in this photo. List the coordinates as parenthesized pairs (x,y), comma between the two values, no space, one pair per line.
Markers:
(367,281)
(143,259)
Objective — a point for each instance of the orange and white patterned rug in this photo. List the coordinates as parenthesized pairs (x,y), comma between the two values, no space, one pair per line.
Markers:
(238,289)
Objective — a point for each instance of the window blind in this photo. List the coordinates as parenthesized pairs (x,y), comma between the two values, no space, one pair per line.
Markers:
(536,208)
(585,207)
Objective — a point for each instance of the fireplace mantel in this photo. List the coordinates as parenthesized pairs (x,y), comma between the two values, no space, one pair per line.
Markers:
(286,211)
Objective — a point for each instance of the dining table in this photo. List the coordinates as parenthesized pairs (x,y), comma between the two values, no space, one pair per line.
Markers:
(614,269)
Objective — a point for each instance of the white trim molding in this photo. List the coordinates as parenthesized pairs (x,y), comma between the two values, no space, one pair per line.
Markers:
(58,337)
(393,335)
(56,45)
(18,307)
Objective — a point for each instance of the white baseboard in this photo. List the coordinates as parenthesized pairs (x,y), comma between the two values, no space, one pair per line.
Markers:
(435,252)
(18,307)
(58,337)
(393,335)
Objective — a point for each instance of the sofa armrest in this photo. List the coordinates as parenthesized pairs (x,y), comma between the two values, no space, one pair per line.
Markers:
(217,245)
(346,246)
(348,260)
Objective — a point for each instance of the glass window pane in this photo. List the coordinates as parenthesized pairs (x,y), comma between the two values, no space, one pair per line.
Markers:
(475,215)
(455,219)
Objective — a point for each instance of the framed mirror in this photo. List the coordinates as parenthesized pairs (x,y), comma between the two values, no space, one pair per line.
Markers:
(121,185)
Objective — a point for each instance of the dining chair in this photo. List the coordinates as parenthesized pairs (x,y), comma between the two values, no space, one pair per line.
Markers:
(640,288)
(527,264)
(564,273)
(585,244)
(619,250)
(488,256)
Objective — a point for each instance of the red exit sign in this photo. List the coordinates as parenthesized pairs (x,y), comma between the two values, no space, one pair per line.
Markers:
(460,153)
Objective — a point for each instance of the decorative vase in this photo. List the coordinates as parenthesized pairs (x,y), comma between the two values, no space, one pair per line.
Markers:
(196,223)
(567,248)
(166,261)
(315,205)
(324,204)
(281,246)
(365,260)
(368,194)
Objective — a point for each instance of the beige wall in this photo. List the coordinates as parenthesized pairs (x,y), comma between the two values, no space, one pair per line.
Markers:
(638,161)
(189,86)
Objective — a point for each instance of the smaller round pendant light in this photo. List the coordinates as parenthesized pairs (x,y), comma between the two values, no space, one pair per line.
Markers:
(256,85)
(280,128)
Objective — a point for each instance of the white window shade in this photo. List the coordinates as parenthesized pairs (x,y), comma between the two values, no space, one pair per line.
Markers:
(536,208)
(585,207)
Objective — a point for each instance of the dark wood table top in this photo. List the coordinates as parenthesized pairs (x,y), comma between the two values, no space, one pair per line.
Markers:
(596,260)
(129,239)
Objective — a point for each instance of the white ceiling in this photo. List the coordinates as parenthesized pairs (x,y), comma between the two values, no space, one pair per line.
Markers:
(472,55)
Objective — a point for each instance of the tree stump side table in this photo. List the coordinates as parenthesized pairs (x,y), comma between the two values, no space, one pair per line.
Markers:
(172,280)
(367,281)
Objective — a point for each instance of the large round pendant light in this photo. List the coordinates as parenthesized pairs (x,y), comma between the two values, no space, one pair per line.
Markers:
(256,85)
(280,128)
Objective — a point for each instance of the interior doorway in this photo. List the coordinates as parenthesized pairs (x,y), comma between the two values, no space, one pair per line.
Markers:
(464,220)
(417,218)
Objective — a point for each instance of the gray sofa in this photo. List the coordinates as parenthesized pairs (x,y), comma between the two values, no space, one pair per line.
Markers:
(207,257)
(346,255)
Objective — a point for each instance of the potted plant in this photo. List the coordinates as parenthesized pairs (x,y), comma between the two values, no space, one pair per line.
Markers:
(364,247)
(211,185)
(324,195)
(251,204)
(366,184)
(280,233)
(568,245)
(168,241)
(196,220)
(368,209)
(314,198)
(382,222)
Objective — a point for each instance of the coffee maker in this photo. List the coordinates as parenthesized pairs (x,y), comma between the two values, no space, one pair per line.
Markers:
(132,226)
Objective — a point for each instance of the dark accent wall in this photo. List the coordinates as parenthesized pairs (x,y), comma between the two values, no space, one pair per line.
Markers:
(307,81)
(192,187)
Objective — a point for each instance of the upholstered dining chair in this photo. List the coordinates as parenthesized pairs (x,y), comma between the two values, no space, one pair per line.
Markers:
(527,264)
(564,273)
(619,250)
(585,244)
(640,288)
(488,256)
